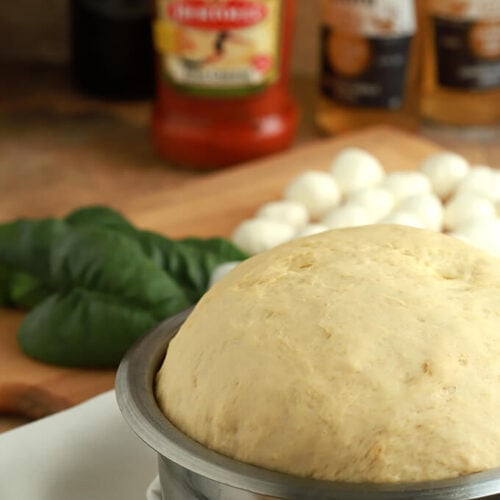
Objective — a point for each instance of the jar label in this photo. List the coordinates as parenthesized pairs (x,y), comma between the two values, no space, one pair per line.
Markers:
(227,47)
(467,43)
(365,49)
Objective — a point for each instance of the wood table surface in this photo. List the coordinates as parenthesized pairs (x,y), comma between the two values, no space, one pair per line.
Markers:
(51,137)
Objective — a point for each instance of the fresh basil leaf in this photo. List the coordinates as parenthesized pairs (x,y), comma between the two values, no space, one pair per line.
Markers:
(26,245)
(82,329)
(105,261)
(98,215)
(5,277)
(189,261)
(95,283)
(26,291)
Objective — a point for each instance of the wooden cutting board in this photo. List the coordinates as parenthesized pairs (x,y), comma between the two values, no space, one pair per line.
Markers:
(206,206)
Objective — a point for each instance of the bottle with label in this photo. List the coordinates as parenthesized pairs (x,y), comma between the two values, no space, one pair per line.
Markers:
(111,48)
(461,64)
(369,64)
(222,80)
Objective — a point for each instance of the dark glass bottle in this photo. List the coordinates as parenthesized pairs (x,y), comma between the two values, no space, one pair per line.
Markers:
(111,48)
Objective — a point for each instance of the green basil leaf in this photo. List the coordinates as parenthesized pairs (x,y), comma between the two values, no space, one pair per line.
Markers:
(95,283)
(26,291)
(105,261)
(5,277)
(82,329)
(26,245)
(190,261)
(97,215)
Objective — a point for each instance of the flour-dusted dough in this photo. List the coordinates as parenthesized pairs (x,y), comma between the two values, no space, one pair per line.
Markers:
(360,354)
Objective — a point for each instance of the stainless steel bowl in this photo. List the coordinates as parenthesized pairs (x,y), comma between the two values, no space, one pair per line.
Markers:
(189,471)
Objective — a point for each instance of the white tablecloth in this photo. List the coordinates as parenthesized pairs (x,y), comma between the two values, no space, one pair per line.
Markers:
(85,453)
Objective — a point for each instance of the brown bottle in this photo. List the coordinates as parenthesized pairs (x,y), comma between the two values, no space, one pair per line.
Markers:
(369,64)
(461,64)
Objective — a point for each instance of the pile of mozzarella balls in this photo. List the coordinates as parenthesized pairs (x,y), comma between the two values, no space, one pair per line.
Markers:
(444,194)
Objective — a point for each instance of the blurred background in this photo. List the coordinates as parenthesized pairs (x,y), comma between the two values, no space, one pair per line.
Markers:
(37,32)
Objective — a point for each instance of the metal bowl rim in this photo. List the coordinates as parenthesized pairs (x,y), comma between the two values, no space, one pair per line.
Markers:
(137,403)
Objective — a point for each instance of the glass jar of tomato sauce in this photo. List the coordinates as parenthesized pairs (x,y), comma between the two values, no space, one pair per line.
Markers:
(222,80)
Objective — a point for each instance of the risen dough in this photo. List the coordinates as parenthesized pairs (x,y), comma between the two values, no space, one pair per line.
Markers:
(360,354)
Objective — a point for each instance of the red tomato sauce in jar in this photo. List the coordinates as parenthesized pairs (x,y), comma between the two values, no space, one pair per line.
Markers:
(222,80)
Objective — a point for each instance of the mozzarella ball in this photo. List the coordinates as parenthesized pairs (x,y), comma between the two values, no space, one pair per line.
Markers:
(403,219)
(355,168)
(483,233)
(427,207)
(220,271)
(348,215)
(464,206)
(377,202)
(311,229)
(317,191)
(290,212)
(257,235)
(445,171)
(405,184)
(481,180)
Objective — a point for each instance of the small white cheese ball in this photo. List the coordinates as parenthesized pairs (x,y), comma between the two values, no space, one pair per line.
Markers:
(403,219)
(405,184)
(483,233)
(290,212)
(220,271)
(348,215)
(257,235)
(427,207)
(377,202)
(445,171)
(311,229)
(465,206)
(481,180)
(355,168)
(317,191)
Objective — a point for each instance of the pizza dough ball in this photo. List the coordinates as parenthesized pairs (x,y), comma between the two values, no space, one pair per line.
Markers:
(365,354)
